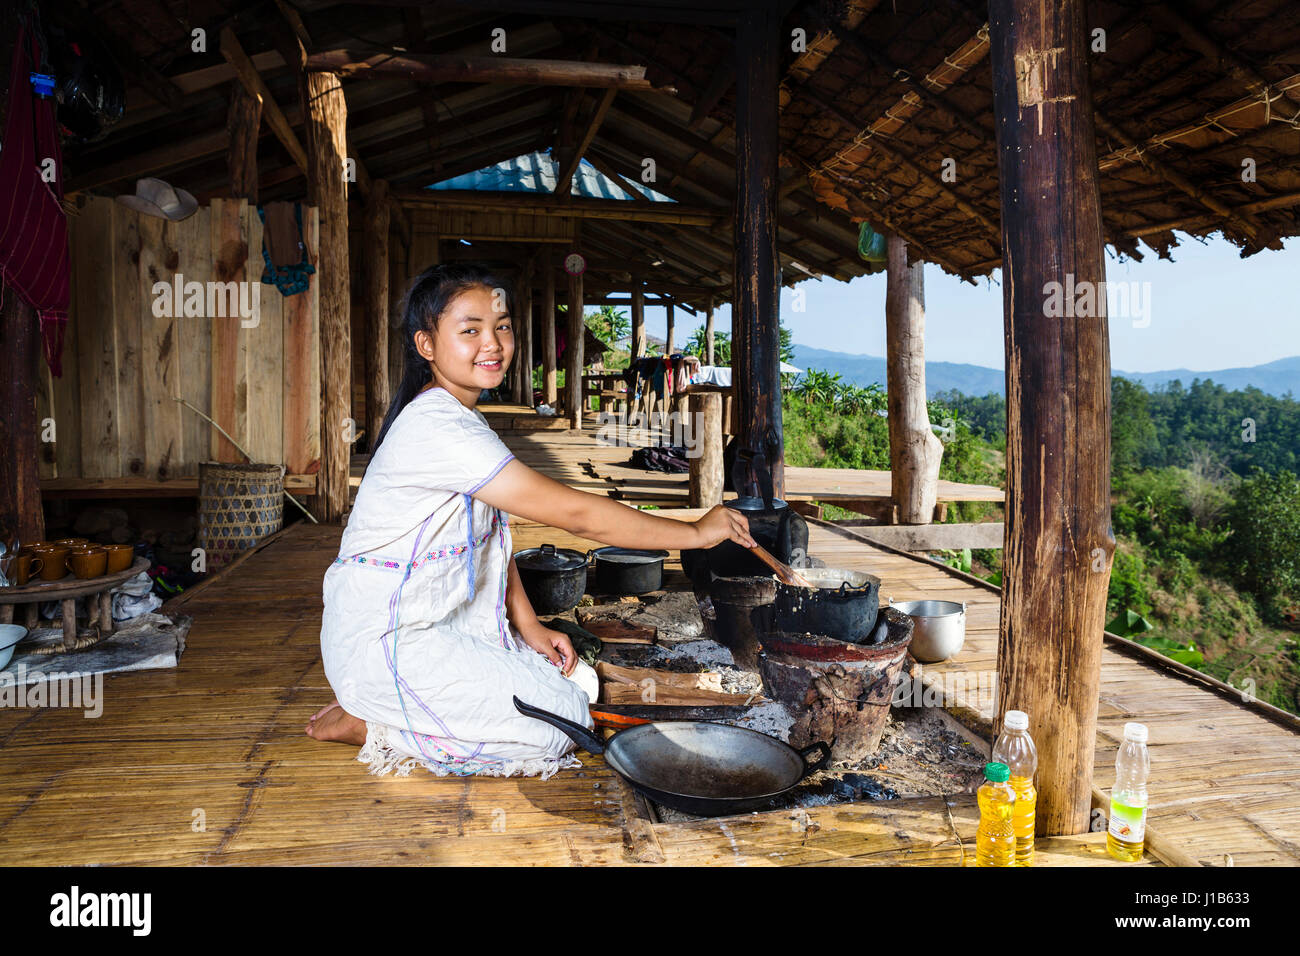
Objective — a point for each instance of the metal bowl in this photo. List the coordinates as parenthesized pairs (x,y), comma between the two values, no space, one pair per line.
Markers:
(939,631)
(10,635)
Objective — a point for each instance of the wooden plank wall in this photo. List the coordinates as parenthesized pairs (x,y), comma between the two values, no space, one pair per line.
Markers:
(114,410)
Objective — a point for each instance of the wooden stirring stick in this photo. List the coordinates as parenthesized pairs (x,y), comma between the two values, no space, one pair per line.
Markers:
(787,574)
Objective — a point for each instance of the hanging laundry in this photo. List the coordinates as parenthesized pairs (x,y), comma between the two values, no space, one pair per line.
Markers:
(284,248)
(34,256)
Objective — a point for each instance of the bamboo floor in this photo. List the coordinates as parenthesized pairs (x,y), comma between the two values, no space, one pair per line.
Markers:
(208,763)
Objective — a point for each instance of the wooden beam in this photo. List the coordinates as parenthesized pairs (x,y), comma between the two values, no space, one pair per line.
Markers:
(709,334)
(755,317)
(638,317)
(573,357)
(724,75)
(242,124)
(326,112)
(564,184)
(443,68)
(374,251)
(524,333)
(564,208)
(252,82)
(914,450)
(1058,544)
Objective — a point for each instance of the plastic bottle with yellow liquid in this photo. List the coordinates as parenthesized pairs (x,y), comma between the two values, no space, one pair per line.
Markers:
(1016,749)
(1126,833)
(995,841)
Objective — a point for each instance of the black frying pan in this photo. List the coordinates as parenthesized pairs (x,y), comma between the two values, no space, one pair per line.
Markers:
(707,769)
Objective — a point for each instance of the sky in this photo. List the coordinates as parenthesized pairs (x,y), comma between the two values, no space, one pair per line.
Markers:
(1208,309)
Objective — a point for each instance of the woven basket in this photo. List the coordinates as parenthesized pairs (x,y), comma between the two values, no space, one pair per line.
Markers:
(239,505)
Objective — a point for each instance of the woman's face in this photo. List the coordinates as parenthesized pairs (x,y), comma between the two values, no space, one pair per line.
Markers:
(473,344)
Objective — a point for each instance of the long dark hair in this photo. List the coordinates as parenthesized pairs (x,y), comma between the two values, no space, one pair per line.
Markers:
(428,297)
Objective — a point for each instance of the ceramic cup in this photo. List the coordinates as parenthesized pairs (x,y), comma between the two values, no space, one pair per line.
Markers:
(73,542)
(88,562)
(55,558)
(120,557)
(25,565)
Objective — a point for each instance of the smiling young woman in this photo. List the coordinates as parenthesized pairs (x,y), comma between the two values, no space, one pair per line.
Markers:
(427,632)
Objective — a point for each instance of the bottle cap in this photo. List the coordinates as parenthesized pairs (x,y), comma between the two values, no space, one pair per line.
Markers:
(997,772)
(1136,733)
(1015,720)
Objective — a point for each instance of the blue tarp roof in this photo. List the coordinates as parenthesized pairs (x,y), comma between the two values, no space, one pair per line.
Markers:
(536,173)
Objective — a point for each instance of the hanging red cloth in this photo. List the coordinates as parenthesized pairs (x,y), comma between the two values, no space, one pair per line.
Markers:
(34,256)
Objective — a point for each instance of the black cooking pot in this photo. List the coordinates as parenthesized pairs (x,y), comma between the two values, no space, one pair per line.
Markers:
(554,578)
(843,605)
(628,571)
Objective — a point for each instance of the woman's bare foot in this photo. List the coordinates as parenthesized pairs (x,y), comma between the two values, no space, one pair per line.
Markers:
(336,724)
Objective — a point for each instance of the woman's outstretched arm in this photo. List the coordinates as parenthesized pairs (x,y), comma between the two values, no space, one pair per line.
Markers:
(519,490)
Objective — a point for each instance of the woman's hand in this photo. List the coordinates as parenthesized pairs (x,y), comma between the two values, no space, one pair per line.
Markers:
(723,524)
(554,645)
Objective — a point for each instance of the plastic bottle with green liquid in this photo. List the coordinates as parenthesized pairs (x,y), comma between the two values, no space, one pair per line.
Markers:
(995,841)
(1126,833)
(1015,748)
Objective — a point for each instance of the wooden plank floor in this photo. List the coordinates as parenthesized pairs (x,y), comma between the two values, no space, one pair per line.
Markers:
(208,764)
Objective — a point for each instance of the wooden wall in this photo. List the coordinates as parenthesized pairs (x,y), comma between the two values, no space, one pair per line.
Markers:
(114,409)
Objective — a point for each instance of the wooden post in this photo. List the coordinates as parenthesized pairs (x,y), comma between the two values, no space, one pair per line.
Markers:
(755,329)
(705,422)
(524,336)
(708,334)
(914,451)
(1058,543)
(668,337)
(550,394)
(325,114)
(21,516)
(242,123)
(638,317)
(573,359)
(374,245)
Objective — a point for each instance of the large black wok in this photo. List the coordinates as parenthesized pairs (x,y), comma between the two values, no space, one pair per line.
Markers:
(707,769)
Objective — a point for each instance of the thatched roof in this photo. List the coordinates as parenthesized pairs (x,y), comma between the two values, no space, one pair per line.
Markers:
(886,117)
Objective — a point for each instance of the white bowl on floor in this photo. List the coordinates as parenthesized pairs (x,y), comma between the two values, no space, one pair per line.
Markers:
(10,635)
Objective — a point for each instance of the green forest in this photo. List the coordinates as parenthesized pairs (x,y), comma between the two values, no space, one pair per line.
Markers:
(1206,512)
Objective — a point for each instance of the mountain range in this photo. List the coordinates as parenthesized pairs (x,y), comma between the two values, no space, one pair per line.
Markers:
(1275,378)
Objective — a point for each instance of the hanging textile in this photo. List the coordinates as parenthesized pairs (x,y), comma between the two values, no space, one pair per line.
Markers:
(284,249)
(34,256)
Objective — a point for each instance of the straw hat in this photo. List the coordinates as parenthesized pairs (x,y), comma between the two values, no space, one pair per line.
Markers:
(153,197)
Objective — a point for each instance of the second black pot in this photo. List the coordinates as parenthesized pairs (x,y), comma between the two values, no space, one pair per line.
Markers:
(628,571)
(554,578)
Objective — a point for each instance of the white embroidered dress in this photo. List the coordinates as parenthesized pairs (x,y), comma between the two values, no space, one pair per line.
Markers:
(415,638)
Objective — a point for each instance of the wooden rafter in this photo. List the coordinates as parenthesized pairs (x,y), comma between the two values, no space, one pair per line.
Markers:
(442,68)
(564,183)
(543,204)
